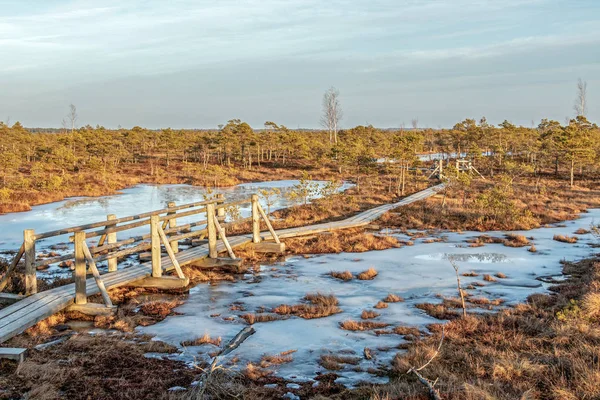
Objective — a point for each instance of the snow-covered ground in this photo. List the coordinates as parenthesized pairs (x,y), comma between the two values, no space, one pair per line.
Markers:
(419,273)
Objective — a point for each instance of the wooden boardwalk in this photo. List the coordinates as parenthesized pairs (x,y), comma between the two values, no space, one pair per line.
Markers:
(25,313)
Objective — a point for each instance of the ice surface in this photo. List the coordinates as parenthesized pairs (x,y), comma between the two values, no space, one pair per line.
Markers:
(418,273)
(130,201)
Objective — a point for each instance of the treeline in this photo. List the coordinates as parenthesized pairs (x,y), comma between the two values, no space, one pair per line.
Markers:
(41,161)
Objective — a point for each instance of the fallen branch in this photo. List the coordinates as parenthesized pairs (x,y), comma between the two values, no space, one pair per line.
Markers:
(228,348)
(433,392)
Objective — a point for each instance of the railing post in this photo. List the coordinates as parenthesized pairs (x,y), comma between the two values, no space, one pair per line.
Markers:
(212,231)
(173,224)
(80,269)
(220,210)
(111,238)
(255,220)
(155,246)
(30,271)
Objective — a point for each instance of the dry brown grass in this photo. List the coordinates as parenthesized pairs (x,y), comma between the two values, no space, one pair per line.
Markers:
(351,325)
(406,330)
(349,240)
(367,275)
(489,278)
(545,349)
(471,273)
(319,306)
(392,298)
(581,231)
(256,372)
(565,238)
(252,318)
(536,202)
(160,309)
(439,311)
(95,367)
(532,249)
(277,359)
(514,240)
(342,275)
(380,304)
(205,339)
(368,314)
(334,362)
(500,275)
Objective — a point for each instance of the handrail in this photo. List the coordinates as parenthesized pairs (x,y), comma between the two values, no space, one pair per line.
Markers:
(116,221)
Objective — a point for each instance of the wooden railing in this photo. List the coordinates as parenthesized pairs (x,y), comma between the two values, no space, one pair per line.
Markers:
(163,233)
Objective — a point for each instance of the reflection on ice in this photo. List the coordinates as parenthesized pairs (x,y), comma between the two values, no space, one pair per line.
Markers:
(476,257)
(419,273)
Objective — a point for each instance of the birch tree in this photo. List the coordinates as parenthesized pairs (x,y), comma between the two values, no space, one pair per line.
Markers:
(581,100)
(332,113)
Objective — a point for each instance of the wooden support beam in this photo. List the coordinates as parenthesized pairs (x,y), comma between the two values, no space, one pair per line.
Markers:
(111,238)
(80,269)
(99,283)
(255,219)
(13,353)
(174,261)
(155,246)
(163,282)
(93,309)
(273,233)
(212,232)
(224,239)
(30,271)
(10,297)
(12,267)
(217,262)
(173,224)
(267,247)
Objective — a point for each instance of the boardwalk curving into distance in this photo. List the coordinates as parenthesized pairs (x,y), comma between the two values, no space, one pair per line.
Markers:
(25,313)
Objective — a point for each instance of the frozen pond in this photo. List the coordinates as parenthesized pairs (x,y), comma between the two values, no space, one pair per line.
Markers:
(419,273)
(130,201)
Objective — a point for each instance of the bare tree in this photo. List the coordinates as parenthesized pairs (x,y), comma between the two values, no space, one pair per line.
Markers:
(72,116)
(415,123)
(580,106)
(332,113)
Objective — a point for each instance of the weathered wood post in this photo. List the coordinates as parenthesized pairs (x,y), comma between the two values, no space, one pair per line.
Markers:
(441,168)
(255,220)
(80,269)
(30,271)
(155,246)
(212,231)
(111,238)
(173,224)
(221,210)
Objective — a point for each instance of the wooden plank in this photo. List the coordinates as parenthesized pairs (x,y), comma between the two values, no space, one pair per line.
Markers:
(80,269)
(224,239)
(255,220)
(170,252)
(111,238)
(93,309)
(30,271)
(164,282)
(155,247)
(13,353)
(96,274)
(212,233)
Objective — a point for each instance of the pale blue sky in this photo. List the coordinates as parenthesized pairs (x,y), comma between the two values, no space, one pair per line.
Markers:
(191,64)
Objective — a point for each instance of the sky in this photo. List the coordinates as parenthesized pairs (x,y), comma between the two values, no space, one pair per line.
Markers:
(198,64)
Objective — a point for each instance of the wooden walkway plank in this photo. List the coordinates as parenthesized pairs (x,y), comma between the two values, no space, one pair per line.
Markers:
(25,313)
